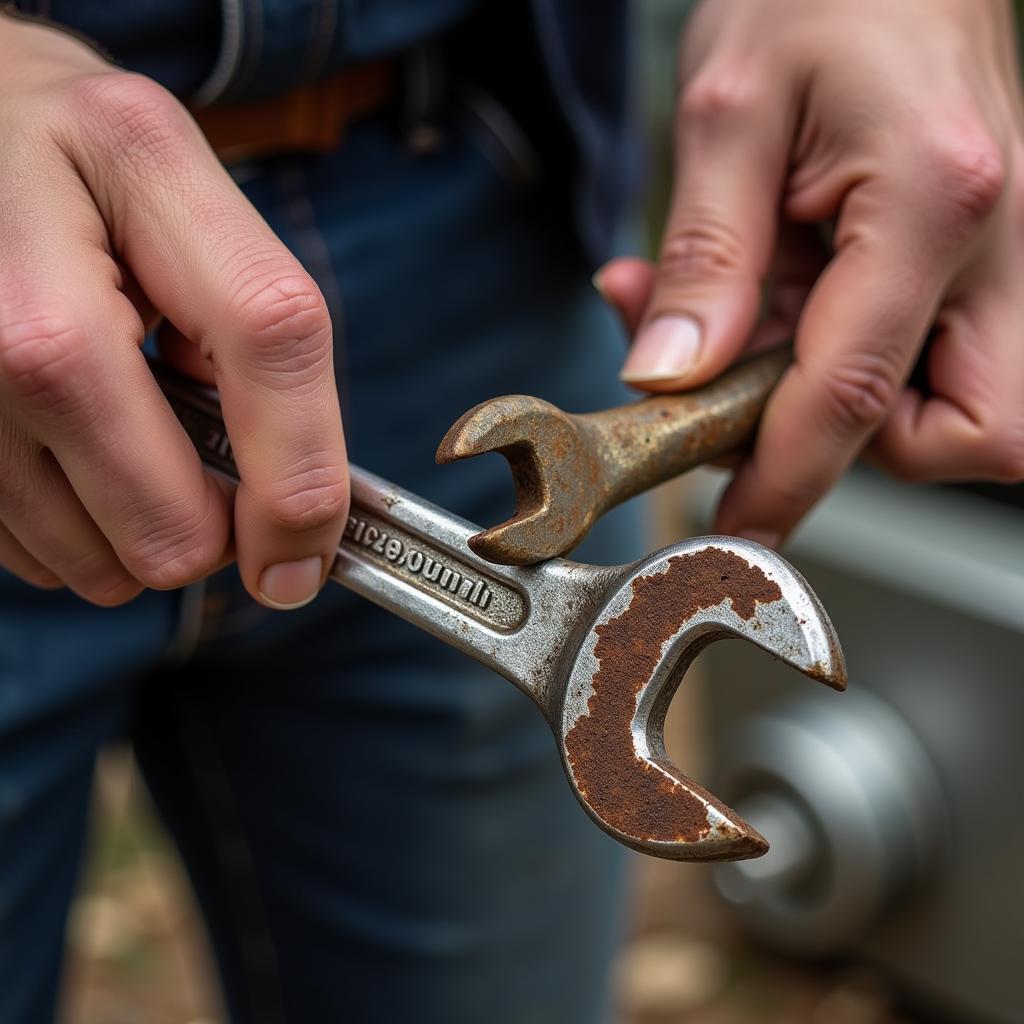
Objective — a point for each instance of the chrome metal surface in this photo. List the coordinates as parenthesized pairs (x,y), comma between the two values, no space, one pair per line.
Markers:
(599,650)
(872,814)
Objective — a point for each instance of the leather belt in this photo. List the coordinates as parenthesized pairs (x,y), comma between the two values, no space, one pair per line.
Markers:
(310,118)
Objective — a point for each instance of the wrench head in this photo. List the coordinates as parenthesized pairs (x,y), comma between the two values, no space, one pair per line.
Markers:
(617,692)
(556,476)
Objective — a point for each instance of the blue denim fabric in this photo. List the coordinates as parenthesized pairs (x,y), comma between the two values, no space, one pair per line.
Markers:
(174,41)
(264,47)
(377,828)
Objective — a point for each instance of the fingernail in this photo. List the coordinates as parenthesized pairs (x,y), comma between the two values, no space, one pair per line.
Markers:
(290,585)
(666,348)
(598,283)
(767,538)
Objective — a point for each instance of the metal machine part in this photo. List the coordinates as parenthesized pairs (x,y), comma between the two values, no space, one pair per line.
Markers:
(569,470)
(853,809)
(896,821)
(600,651)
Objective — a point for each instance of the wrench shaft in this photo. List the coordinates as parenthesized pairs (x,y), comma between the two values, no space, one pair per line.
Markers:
(569,469)
(650,441)
(412,558)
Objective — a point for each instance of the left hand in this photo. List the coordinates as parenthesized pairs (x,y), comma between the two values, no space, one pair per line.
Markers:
(898,127)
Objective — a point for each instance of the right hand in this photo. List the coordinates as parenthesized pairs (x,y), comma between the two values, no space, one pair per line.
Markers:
(894,130)
(115,214)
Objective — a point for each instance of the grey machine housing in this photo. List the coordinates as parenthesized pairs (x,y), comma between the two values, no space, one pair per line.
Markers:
(895,811)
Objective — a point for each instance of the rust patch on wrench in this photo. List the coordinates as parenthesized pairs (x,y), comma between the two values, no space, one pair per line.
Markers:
(626,791)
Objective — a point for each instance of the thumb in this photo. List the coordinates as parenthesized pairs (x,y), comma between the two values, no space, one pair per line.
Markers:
(731,154)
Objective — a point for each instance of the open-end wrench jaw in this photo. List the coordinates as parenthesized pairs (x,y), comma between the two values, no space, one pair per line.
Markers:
(553,472)
(568,469)
(628,667)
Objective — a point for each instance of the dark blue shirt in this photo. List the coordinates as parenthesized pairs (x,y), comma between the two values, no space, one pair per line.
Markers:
(245,49)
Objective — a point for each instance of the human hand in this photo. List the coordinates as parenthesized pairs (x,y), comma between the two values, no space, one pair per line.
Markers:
(115,213)
(898,127)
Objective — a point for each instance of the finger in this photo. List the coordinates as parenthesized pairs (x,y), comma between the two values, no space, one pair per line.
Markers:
(904,231)
(855,344)
(42,515)
(15,559)
(217,272)
(626,284)
(971,424)
(731,150)
(71,365)
(799,260)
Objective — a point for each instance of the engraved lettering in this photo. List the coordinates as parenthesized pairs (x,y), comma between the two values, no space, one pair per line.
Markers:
(354,528)
(413,562)
(450,580)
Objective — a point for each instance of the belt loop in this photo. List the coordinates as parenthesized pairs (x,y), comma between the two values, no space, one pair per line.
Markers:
(232,51)
(424,94)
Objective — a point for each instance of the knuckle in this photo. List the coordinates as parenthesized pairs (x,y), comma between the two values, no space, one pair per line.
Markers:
(171,548)
(112,591)
(44,361)
(971,172)
(94,574)
(139,116)
(718,95)
(284,322)
(859,391)
(313,499)
(704,248)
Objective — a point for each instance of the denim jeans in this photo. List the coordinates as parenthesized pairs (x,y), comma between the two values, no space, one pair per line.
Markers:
(377,828)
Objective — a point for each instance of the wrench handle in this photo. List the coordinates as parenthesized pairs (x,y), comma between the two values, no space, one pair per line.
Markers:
(399,537)
(413,559)
(648,442)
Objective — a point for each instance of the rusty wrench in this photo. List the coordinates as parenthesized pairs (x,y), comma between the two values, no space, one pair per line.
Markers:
(568,470)
(599,650)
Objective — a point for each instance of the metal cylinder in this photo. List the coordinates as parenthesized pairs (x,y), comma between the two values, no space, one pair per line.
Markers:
(853,810)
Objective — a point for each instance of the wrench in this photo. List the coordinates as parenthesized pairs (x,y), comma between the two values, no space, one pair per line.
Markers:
(599,650)
(568,470)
